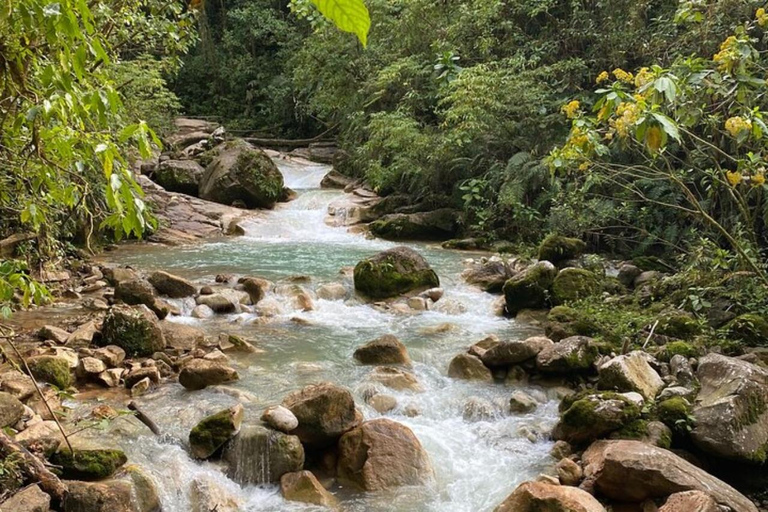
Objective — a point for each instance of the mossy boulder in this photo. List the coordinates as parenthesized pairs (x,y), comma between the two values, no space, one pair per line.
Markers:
(181,176)
(572,284)
(682,348)
(750,329)
(530,288)
(394,272)
(564,322)
(571,355)
(650,432)
(135,329)
(674,412)
(678,324)
(589,417)
(556,248)
(208,436)
(88,464)
(439,224)
(242,174)
(51,369)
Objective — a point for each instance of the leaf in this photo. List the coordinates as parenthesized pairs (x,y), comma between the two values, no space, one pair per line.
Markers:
(654,138)
(348,15)
(669,126)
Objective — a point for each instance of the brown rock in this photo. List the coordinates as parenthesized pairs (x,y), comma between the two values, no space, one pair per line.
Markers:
(568,472)
(30,499)
(53,333)
(395,378)
(181,336)
(545,497)
(325,412)
(468,367)
(383,350)
(514,352)
(302,486)
(200,373)
(172,286)
(690,501)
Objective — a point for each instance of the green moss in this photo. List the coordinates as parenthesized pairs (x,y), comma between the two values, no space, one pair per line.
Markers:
(674,412)
(678,325)
(556,248)
(756,405)
(674,348)
(530,288)
(750,329)
(211,433)
(646,263)
(391,276)
(11,473)
(133,330)
(51,369)
(637,429)
(587,418)
(88,464)
(572,284)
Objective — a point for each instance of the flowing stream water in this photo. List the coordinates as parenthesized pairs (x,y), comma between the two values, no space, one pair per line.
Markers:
(477,462)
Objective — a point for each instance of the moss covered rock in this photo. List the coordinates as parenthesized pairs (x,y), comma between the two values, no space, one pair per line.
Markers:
(529,288)
(564,322)
(586,418)
(51,369)
(212,432)
(242,174)
(650,432)
(556,248)
(573,284)
(674,412)
(571,355)
(439,224)
(678,324)
(88,464)
(394,272)
(135,329)
(750,329)
(682,348)
(181,176)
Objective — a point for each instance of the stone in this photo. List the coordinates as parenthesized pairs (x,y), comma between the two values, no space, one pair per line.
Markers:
(546,497)
(489,276)
(395,378)
(441,224)
(594,416)
(43,437)
(51,369)
(334,179)
(393,272)
(181,336)
(111,377)
(117,275)
(111,355)
(634,471)
(144,489)
(94,464)
(382,403)
(172,286)
(302,486)
(690,501)
(83,335)
(232,343)
(208,436)
(556,248)
(255,287)
(219,303)
(529,289)
(568,472)
(572,284)
(201,373)
(182,176)
(11,410)
(479,348)
(331,291)
(53,333)
(628,273)
(109,496)
(202,312)
(731,409)
(630,372)
(521,402)
(647,277)
(29,499)
(479,409)
(325,412)
(514,352)
(382,454)
(242,174)
(90,367)
(141,387)
(135,329)
(280,418)
(258,455)
(141,373)
(207,494)
(139,291)
(469,367)
(383,350)
(17,384)
(574,354)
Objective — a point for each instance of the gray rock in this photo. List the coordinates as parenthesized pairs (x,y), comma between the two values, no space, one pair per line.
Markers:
(280,418)
(258,455)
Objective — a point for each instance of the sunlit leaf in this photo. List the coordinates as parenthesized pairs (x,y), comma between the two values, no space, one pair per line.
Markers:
(348,15)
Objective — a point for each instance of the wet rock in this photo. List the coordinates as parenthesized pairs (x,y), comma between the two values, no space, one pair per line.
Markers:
(627,274)
(138,374)
(255,287)
(382,403)
(334,179)
(141,387)
(109,496)
(219,303)
(529,288)
(479,348)
(439,224)
(393,272)
(383,350)
(514,352)
(181,336)
(258,455)
(568,472)
(202,312)
(201,373)
(144,489)
(90,368)
(111,355)
(630,372)
(395,378)
(182,176)
(382,454)
(731,409)
(207,494)
(572,284)
(83,335)
(489,276)
(690,501)
(172,286)
(302,486)
(140,291)
(111,378)
(594,416)
(135,329)
(556,248)
(11,410)
(208,436)
(577,353)
(53,333)
(280,418)
(30,499)
(469,367)
(332,291)
(51,369)
(88,464)
(521,402)
(243,174)
(634,471)
(232,343)
(541,496)
(325,411)
(479,409)
(17,384)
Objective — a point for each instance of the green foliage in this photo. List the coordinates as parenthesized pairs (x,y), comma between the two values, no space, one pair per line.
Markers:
(348,15)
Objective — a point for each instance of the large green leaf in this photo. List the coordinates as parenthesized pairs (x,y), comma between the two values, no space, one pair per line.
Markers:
(348,15)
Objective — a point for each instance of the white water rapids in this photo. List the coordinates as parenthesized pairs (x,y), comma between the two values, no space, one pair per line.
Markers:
(477,463)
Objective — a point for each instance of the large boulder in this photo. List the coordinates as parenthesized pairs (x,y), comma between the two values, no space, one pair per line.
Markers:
(634,471)
(135,329)
(630,372)
(214,431)
(439,224)
(556,248)
(303,487)
(383,350)
(139,291)
(731,409)
(181,176)
(173,286)
(577,353)
(690,501)
(489,276)
(591,417)
(51,369)
(325,412)
(469,367)
(182,336)
(94,464)
(546,497)
(382,454)
(573,284)
(259,455)
(243,174)
(11,410)
(530,288)
(108,496)
(514,352)
(201,373)
(394,272)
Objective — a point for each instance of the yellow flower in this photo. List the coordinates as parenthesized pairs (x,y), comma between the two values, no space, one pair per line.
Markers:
(626,116)
(571,109)
(584,166)
(728,54)
(737,124)
(622,75)
(644,75)
(758,179)
(602,77)
(578,137)
(761,17)
(734,178)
